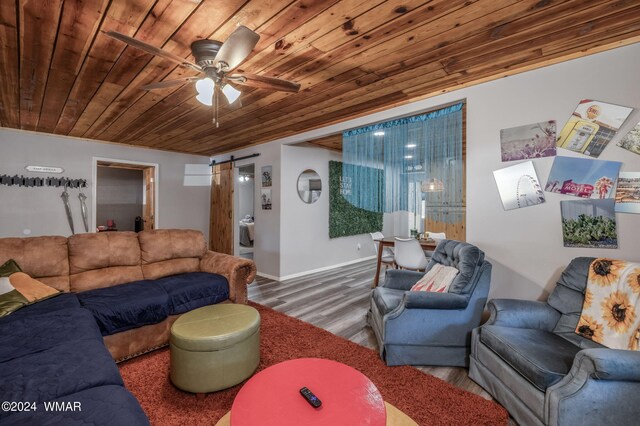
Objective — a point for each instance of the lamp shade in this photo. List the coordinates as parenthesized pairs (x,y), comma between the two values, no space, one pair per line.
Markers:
(231,93)
(205,89)
(432,185)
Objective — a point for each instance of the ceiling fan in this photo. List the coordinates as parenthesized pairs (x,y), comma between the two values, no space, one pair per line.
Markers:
(215,60)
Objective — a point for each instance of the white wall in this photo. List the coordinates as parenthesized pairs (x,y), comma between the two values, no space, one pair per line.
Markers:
(304,242)
(525,245)
(41,211)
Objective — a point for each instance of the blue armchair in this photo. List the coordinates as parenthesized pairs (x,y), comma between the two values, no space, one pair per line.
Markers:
(530,359)
(425,328)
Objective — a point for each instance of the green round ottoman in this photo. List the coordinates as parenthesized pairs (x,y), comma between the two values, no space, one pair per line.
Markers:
(214,347)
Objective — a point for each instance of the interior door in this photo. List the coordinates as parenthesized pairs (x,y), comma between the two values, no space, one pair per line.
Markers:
(221,223)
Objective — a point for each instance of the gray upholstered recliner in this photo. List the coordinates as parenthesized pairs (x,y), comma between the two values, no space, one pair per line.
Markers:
(425,328)
(530,359)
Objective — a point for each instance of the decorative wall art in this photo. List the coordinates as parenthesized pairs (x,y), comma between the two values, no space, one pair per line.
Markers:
(589,223)
(266,176)
(266,198)
(628,192)
(530,141)
(583,177)
(344,218)
(519,186)
(631,141)
(592,126)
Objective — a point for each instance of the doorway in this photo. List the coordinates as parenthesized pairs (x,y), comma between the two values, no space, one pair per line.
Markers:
(124,195)
(245,208)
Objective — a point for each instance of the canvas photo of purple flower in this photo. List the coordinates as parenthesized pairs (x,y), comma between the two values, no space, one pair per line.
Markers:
(531,141)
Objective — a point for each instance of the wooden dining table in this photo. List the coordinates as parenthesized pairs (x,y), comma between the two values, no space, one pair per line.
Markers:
(390,242)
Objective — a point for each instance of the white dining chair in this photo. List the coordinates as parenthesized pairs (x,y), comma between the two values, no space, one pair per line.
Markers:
(409,254)
(387,252)
(437,237)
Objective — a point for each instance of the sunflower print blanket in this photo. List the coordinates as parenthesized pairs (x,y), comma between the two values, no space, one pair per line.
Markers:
(611,310)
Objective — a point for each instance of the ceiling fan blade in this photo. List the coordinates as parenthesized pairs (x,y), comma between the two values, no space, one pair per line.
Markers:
(237,47)
(169,83)
(264,82)
(152,50)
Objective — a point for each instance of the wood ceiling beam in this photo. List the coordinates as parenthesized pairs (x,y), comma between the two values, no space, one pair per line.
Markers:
(38,28)
(79,23)
(123,16)
(9,66)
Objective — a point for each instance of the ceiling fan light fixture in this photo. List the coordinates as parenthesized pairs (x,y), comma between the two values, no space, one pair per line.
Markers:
(204,99)
(231,93)
(205,88)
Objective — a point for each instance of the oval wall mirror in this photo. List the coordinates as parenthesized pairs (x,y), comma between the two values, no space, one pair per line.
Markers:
(309,186)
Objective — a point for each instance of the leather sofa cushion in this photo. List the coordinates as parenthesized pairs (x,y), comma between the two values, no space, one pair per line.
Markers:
(103,260)
(27,334)
(126,306)
(102,250)
(169,267)
(39,257)
(164,244)
(100,405)
(541,357)
(387,299)
(58,371)
(193,290)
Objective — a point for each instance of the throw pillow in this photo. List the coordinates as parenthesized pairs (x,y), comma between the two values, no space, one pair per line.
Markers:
(19,289)
(9,267)
(437,279)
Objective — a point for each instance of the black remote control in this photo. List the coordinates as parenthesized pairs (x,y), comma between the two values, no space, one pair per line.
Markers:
(310,397)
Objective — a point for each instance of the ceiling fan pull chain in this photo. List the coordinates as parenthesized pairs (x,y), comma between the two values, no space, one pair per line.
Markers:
(217,101)
(213,108)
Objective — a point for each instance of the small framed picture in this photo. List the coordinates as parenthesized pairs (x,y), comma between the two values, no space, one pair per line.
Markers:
(266,199)
(266,176)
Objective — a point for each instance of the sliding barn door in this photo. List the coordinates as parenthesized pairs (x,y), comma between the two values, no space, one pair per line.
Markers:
(221,224)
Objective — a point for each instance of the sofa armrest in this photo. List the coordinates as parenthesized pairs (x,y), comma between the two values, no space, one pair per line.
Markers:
(522,314)
(399,279)
(433,300)
(239,272)
(602,387)
(609,364)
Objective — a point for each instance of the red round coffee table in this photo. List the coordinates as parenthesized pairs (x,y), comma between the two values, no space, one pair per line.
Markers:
(272,397)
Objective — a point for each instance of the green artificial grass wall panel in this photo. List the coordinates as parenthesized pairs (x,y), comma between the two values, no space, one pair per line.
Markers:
(344,218)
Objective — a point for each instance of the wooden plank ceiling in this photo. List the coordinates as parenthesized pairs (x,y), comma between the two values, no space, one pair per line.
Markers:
(59,73)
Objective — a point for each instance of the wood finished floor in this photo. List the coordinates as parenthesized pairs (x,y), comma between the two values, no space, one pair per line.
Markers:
(338,300)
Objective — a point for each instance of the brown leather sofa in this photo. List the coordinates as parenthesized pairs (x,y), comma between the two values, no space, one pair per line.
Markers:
(90,261)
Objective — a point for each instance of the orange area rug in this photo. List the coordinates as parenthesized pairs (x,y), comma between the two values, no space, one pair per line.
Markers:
(426,399)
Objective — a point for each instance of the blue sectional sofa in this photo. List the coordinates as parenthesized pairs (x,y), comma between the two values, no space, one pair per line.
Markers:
(59,353)
(53,352)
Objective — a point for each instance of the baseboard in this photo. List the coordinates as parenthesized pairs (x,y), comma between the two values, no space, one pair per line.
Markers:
(314,271)
(267,276)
